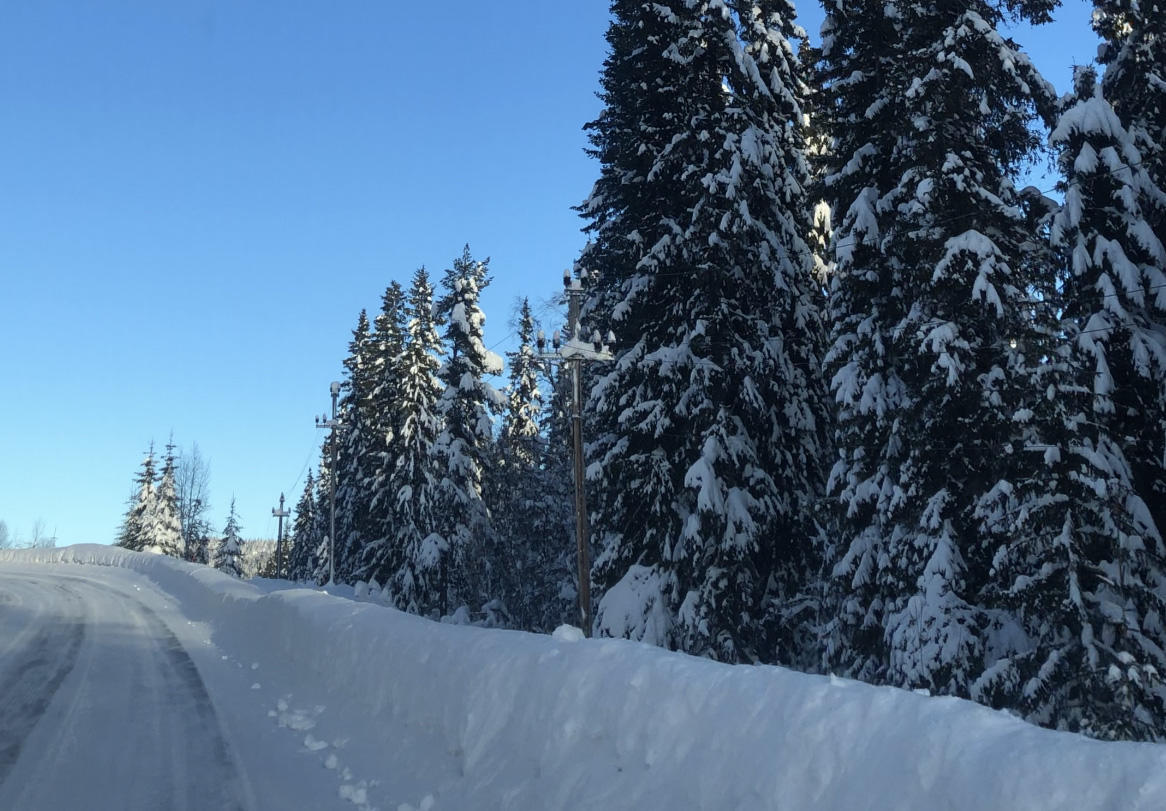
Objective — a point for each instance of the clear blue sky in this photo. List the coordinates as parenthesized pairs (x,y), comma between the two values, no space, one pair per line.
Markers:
(197,197)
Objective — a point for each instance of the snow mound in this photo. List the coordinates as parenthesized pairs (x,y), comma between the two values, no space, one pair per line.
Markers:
(543,722)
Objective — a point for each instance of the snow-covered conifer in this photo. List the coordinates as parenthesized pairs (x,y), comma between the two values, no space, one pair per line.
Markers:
(708,425)
(1083,562)
(321,533)
(927,301)
(1133,50)
(466,409)
(300,566)
(357,441)
(229,554)
(407,559)
(525,505)
(388,347)
(135,528)
(520,423)
(166,534)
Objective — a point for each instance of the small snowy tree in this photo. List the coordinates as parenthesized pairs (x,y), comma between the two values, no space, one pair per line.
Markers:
(321,533)
(229,555)
(300,564)
(137,524)
(166,535)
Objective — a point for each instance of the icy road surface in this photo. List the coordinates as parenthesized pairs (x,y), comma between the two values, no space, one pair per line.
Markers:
(103,706)
(132,681)
(100,703)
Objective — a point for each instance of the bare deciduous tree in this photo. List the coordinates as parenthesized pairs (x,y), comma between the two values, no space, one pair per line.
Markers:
(40,539)
(192,479)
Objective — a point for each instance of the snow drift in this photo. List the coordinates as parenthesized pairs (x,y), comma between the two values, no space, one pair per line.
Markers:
(542,722)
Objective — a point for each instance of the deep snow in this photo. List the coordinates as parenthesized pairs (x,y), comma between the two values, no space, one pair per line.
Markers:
(370,707)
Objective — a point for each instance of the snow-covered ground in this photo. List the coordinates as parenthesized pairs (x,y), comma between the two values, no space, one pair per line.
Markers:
(302,699)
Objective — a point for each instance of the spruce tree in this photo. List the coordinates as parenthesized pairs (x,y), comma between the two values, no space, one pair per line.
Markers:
(928,299)
(409,558)
(135,529)
(322,516)
(708,425)
(520,423)
(516,489)
(552,516)
(300,566)
(388,342)
(467,405)
(229,554)
(1084,561)
(166,535)
(1133,50)
(357,443)
(199,550)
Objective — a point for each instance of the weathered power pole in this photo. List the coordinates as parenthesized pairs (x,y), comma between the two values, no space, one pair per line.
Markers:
(333,424)
(575,352)
(281,514)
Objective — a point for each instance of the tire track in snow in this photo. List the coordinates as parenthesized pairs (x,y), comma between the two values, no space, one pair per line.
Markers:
(133,679)
(32,675)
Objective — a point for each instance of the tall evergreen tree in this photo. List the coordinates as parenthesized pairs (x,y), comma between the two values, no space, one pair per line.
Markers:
(410,557)
(300,564)
(708,426)
(1084,563)
(520,423)
(1133,34)
(357,446)
(166,534)
(927,300)
(552,516)
(135,528)
(1133,50)
(467,405)
(229,555)
(322,516)
(529,547)
(386,371)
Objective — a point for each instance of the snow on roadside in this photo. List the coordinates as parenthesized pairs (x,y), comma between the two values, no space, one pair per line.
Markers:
(499,719)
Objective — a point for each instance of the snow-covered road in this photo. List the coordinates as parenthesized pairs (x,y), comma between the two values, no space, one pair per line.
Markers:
(132,681)
(100,702)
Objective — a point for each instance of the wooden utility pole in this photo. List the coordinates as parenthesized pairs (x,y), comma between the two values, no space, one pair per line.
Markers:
(582,527)
(333,424)
(281,514)
(575,352)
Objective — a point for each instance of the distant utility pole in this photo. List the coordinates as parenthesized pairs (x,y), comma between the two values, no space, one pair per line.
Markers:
(324,422)
(575,352)
(281,514)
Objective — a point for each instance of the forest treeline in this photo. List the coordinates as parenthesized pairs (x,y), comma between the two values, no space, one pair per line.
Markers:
(875,408)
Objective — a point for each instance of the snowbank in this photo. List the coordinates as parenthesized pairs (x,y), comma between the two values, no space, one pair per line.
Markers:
(561,722)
